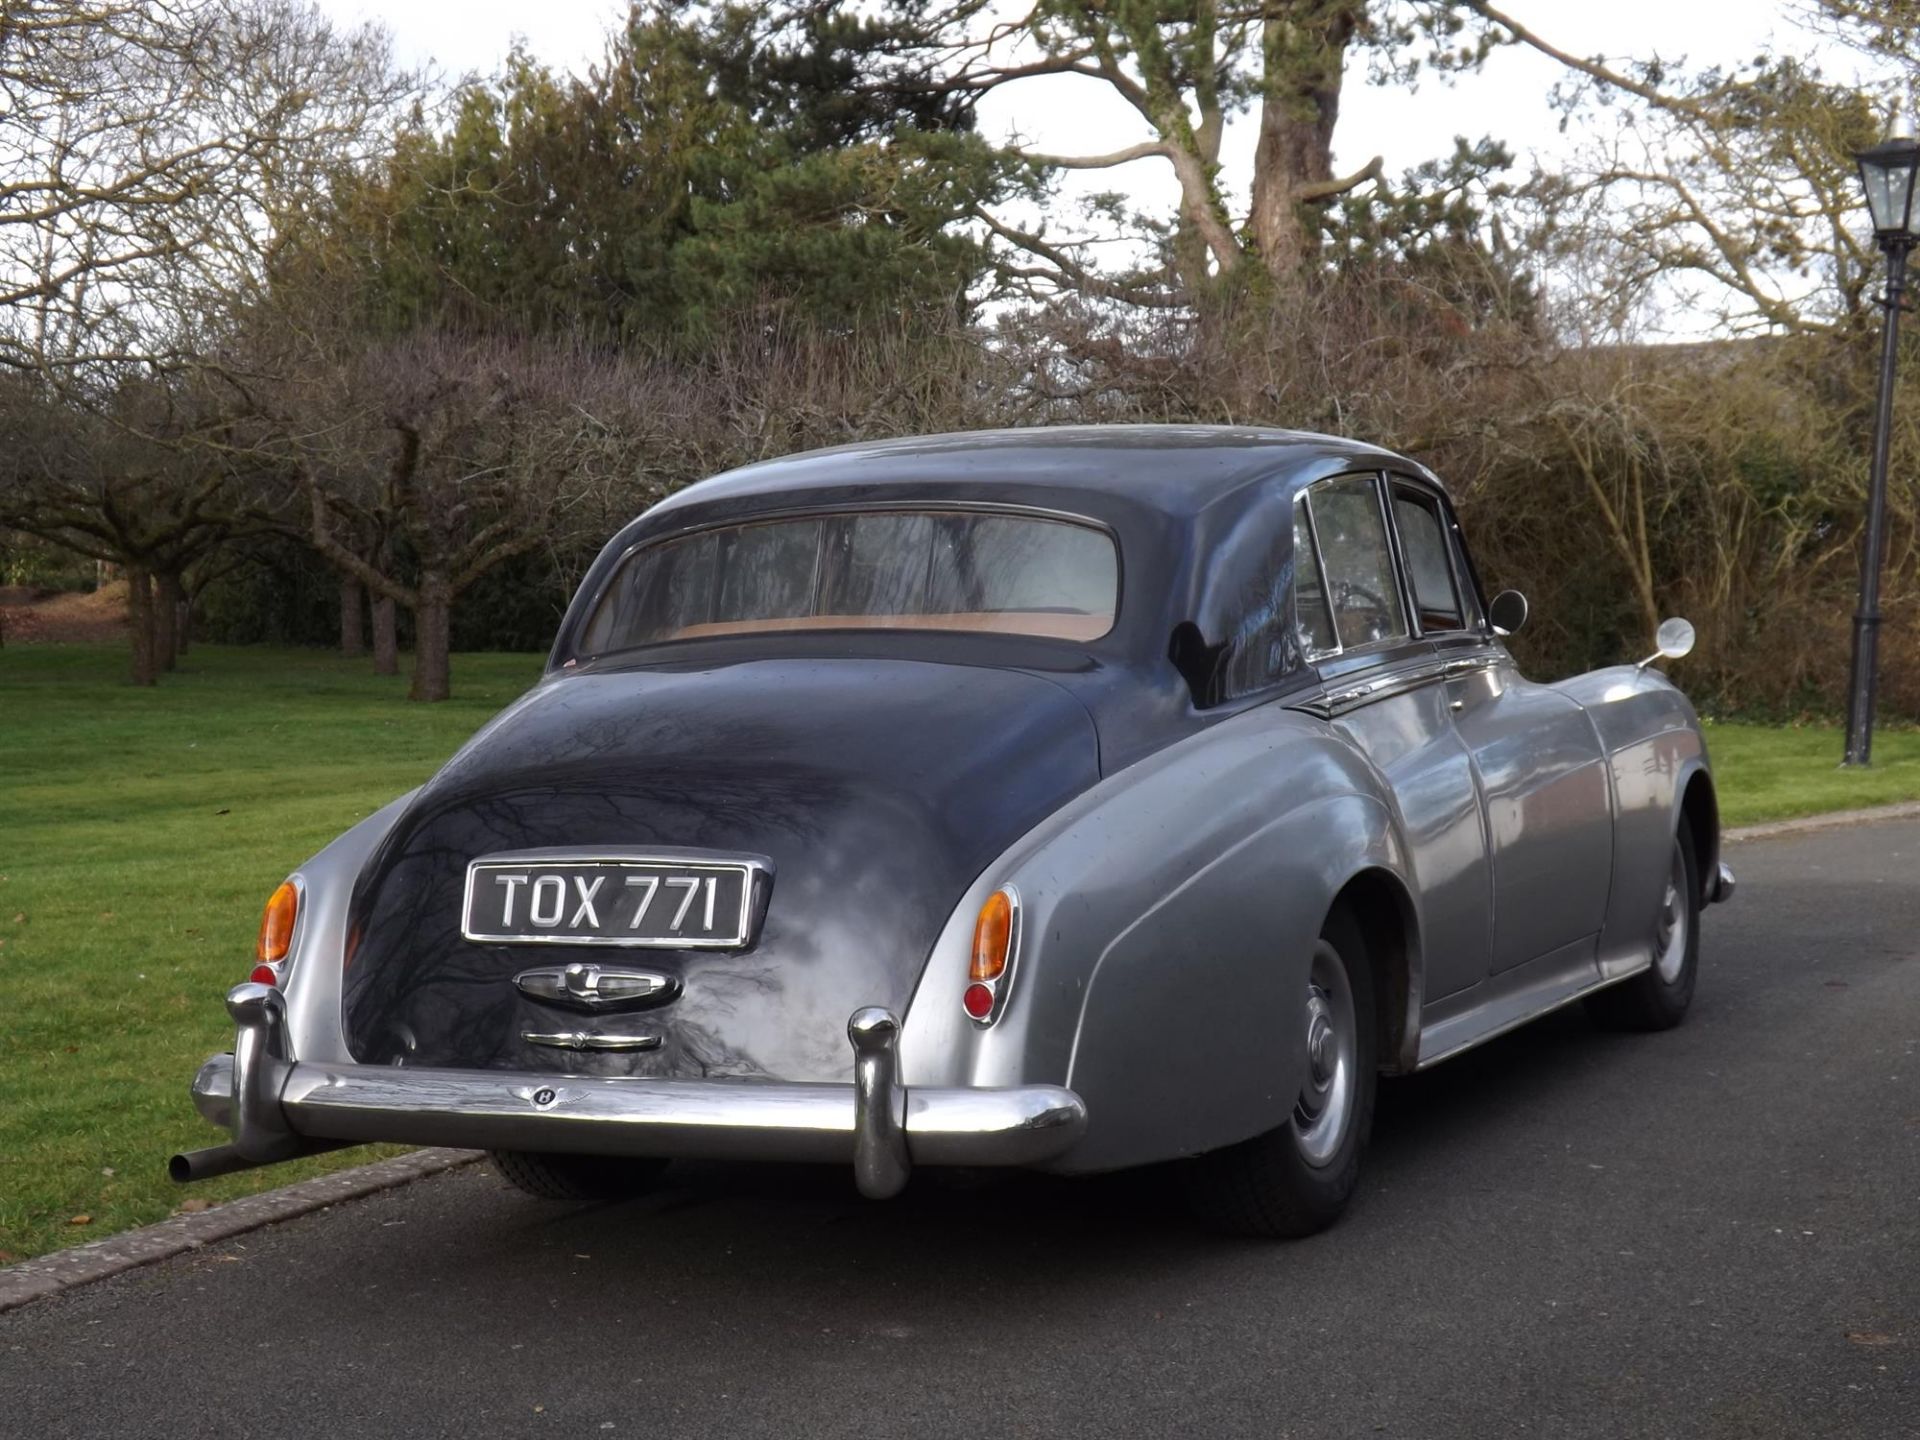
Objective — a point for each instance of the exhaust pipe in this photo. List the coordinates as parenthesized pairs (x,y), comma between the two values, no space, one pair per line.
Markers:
(192,1165)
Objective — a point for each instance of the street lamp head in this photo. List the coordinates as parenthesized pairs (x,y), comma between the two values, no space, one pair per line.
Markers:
(1887,170)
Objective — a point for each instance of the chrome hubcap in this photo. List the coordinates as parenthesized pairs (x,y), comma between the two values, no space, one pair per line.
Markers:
(1320,1049)
(1323,1112)
(1670,933)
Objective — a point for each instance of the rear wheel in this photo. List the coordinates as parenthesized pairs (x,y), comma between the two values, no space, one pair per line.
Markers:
(1298,1177)
(1657,998)
(576,1177)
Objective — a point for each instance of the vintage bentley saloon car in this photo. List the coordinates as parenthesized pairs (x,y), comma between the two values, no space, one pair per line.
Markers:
(1074,799)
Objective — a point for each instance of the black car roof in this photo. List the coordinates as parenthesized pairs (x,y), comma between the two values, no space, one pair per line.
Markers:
(1179,470)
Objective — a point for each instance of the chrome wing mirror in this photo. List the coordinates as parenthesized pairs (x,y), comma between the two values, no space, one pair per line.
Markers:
(1672,640)
(1508,612)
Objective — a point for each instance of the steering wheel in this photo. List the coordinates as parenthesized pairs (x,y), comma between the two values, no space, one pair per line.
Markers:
(1351,597)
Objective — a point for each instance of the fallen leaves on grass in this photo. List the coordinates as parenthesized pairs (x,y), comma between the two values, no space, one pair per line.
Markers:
(80,1220)
(193,1206)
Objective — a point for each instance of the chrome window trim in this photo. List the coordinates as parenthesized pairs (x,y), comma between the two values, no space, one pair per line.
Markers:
(1320,565)
(1341,650)
(579,656)
(1397,556)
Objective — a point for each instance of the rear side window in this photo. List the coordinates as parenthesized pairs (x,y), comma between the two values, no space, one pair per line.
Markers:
(1423,542)
(1362,590)
(884,570)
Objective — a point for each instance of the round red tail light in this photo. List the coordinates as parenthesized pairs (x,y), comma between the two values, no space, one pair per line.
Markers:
(979,1001)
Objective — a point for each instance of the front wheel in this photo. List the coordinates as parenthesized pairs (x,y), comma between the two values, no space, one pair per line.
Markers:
(1657,998)
(575,1177)
(1298,1177)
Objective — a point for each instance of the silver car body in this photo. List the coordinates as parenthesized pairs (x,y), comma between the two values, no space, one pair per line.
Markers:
(1506,845)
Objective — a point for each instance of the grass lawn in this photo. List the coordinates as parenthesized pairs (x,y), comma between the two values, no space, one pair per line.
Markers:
(141,831)
(1766,772)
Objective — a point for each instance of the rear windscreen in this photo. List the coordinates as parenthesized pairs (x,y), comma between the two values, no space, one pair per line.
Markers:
(882,570)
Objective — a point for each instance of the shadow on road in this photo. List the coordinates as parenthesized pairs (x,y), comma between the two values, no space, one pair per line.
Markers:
(1134,1219)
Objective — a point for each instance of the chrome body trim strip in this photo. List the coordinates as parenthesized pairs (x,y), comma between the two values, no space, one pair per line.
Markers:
(879,1125)
(597,988)
(589,1040)
(1331,704)
(1558,1002)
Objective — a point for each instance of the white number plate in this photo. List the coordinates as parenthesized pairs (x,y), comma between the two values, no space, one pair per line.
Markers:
(664,903)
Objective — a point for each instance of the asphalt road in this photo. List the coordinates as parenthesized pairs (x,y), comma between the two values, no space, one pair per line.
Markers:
(1712,1232)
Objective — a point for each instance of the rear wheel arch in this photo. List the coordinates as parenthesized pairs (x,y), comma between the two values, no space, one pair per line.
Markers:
(1699,819)
(1380,905)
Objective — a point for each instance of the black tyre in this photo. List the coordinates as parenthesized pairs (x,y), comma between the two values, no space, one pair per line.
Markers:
(1657,998)
(575,1177)
(1297,1178)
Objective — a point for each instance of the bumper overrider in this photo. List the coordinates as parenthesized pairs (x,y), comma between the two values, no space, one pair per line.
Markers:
(278,1108)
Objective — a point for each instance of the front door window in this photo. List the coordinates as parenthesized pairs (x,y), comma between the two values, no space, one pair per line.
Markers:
(1423,541)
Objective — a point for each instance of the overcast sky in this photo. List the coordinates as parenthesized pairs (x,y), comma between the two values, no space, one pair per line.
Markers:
(1062,114)
(1066,114)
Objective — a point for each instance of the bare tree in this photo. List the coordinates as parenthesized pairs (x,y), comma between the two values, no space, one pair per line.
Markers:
(467,453)
(151,153)
(123,484)
(1729,191)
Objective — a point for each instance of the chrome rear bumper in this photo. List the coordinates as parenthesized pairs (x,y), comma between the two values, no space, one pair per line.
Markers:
(277,1109)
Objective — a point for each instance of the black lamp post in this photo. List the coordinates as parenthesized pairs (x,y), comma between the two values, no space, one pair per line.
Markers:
(1887,171)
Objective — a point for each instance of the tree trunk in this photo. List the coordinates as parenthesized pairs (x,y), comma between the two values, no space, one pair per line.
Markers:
(386,637)
(183,625)
(432,627)
(140,623)
(1304,62)
(166,621)
(353,628)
